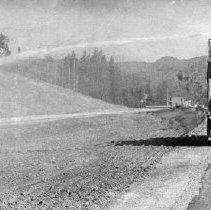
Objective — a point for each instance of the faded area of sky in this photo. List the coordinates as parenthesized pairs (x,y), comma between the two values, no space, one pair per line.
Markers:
(128,29)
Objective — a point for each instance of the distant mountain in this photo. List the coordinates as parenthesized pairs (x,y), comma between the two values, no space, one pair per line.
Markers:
(166,63)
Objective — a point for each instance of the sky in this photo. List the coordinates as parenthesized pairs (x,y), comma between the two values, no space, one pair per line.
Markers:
(128,29)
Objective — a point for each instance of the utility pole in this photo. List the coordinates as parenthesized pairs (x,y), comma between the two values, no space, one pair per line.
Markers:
(167,97)
(74,75)
(69,71)
(73,59)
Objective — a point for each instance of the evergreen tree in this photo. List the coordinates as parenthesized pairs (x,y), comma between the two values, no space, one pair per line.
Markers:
(4,48)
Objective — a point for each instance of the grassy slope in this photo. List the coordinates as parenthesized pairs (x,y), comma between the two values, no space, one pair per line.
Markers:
(21,96)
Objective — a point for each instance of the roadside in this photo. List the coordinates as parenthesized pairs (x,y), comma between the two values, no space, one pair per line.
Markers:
(175,180)
(182,118)
(172,185)
(202,200)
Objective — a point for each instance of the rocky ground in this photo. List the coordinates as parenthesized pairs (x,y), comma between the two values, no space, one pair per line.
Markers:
(83,163)
(180,180)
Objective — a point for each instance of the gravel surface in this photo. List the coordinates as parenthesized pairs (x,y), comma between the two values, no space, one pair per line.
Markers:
(77,164)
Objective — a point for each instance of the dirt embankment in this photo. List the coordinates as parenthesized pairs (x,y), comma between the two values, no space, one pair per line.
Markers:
(185,119)
(81,163)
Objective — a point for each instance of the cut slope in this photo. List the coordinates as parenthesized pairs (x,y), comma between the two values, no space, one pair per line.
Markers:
(21,96)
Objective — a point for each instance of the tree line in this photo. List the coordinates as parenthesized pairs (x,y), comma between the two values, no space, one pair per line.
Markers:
(4,48)
(91,74)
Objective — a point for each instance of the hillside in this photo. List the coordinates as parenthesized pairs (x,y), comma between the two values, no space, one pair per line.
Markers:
(22,96)
(90,74)
(119,83)
(166,70)
(165,67)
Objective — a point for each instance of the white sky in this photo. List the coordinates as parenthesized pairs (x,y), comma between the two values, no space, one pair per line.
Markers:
(137,29)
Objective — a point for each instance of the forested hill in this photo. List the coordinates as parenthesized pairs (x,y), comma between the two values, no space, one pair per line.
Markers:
(186,77)
(125,83)
(164,64)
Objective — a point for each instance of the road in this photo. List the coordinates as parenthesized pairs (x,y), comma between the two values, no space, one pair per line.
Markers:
(109,161)
(177,180)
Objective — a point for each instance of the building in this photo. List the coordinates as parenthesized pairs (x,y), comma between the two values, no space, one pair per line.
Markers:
(177,101)
(187,103)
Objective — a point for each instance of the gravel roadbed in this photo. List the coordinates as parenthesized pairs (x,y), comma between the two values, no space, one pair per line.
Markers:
(92,186)
(89,173)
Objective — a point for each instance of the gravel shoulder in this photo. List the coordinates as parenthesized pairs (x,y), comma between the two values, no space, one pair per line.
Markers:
(176,180)
(202,200)
(173,184)
(77,163)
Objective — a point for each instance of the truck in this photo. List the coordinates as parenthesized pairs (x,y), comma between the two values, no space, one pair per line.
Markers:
(209,91)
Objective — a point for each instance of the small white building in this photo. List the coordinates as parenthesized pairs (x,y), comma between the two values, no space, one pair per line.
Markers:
(187,103)
(177,101)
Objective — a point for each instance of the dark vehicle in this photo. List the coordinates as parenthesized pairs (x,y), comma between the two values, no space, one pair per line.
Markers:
(209,92)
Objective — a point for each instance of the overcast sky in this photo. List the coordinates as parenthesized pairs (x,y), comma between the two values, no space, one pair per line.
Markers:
(137,29)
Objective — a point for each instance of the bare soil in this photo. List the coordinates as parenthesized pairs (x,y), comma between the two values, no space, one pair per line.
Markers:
(77,163)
